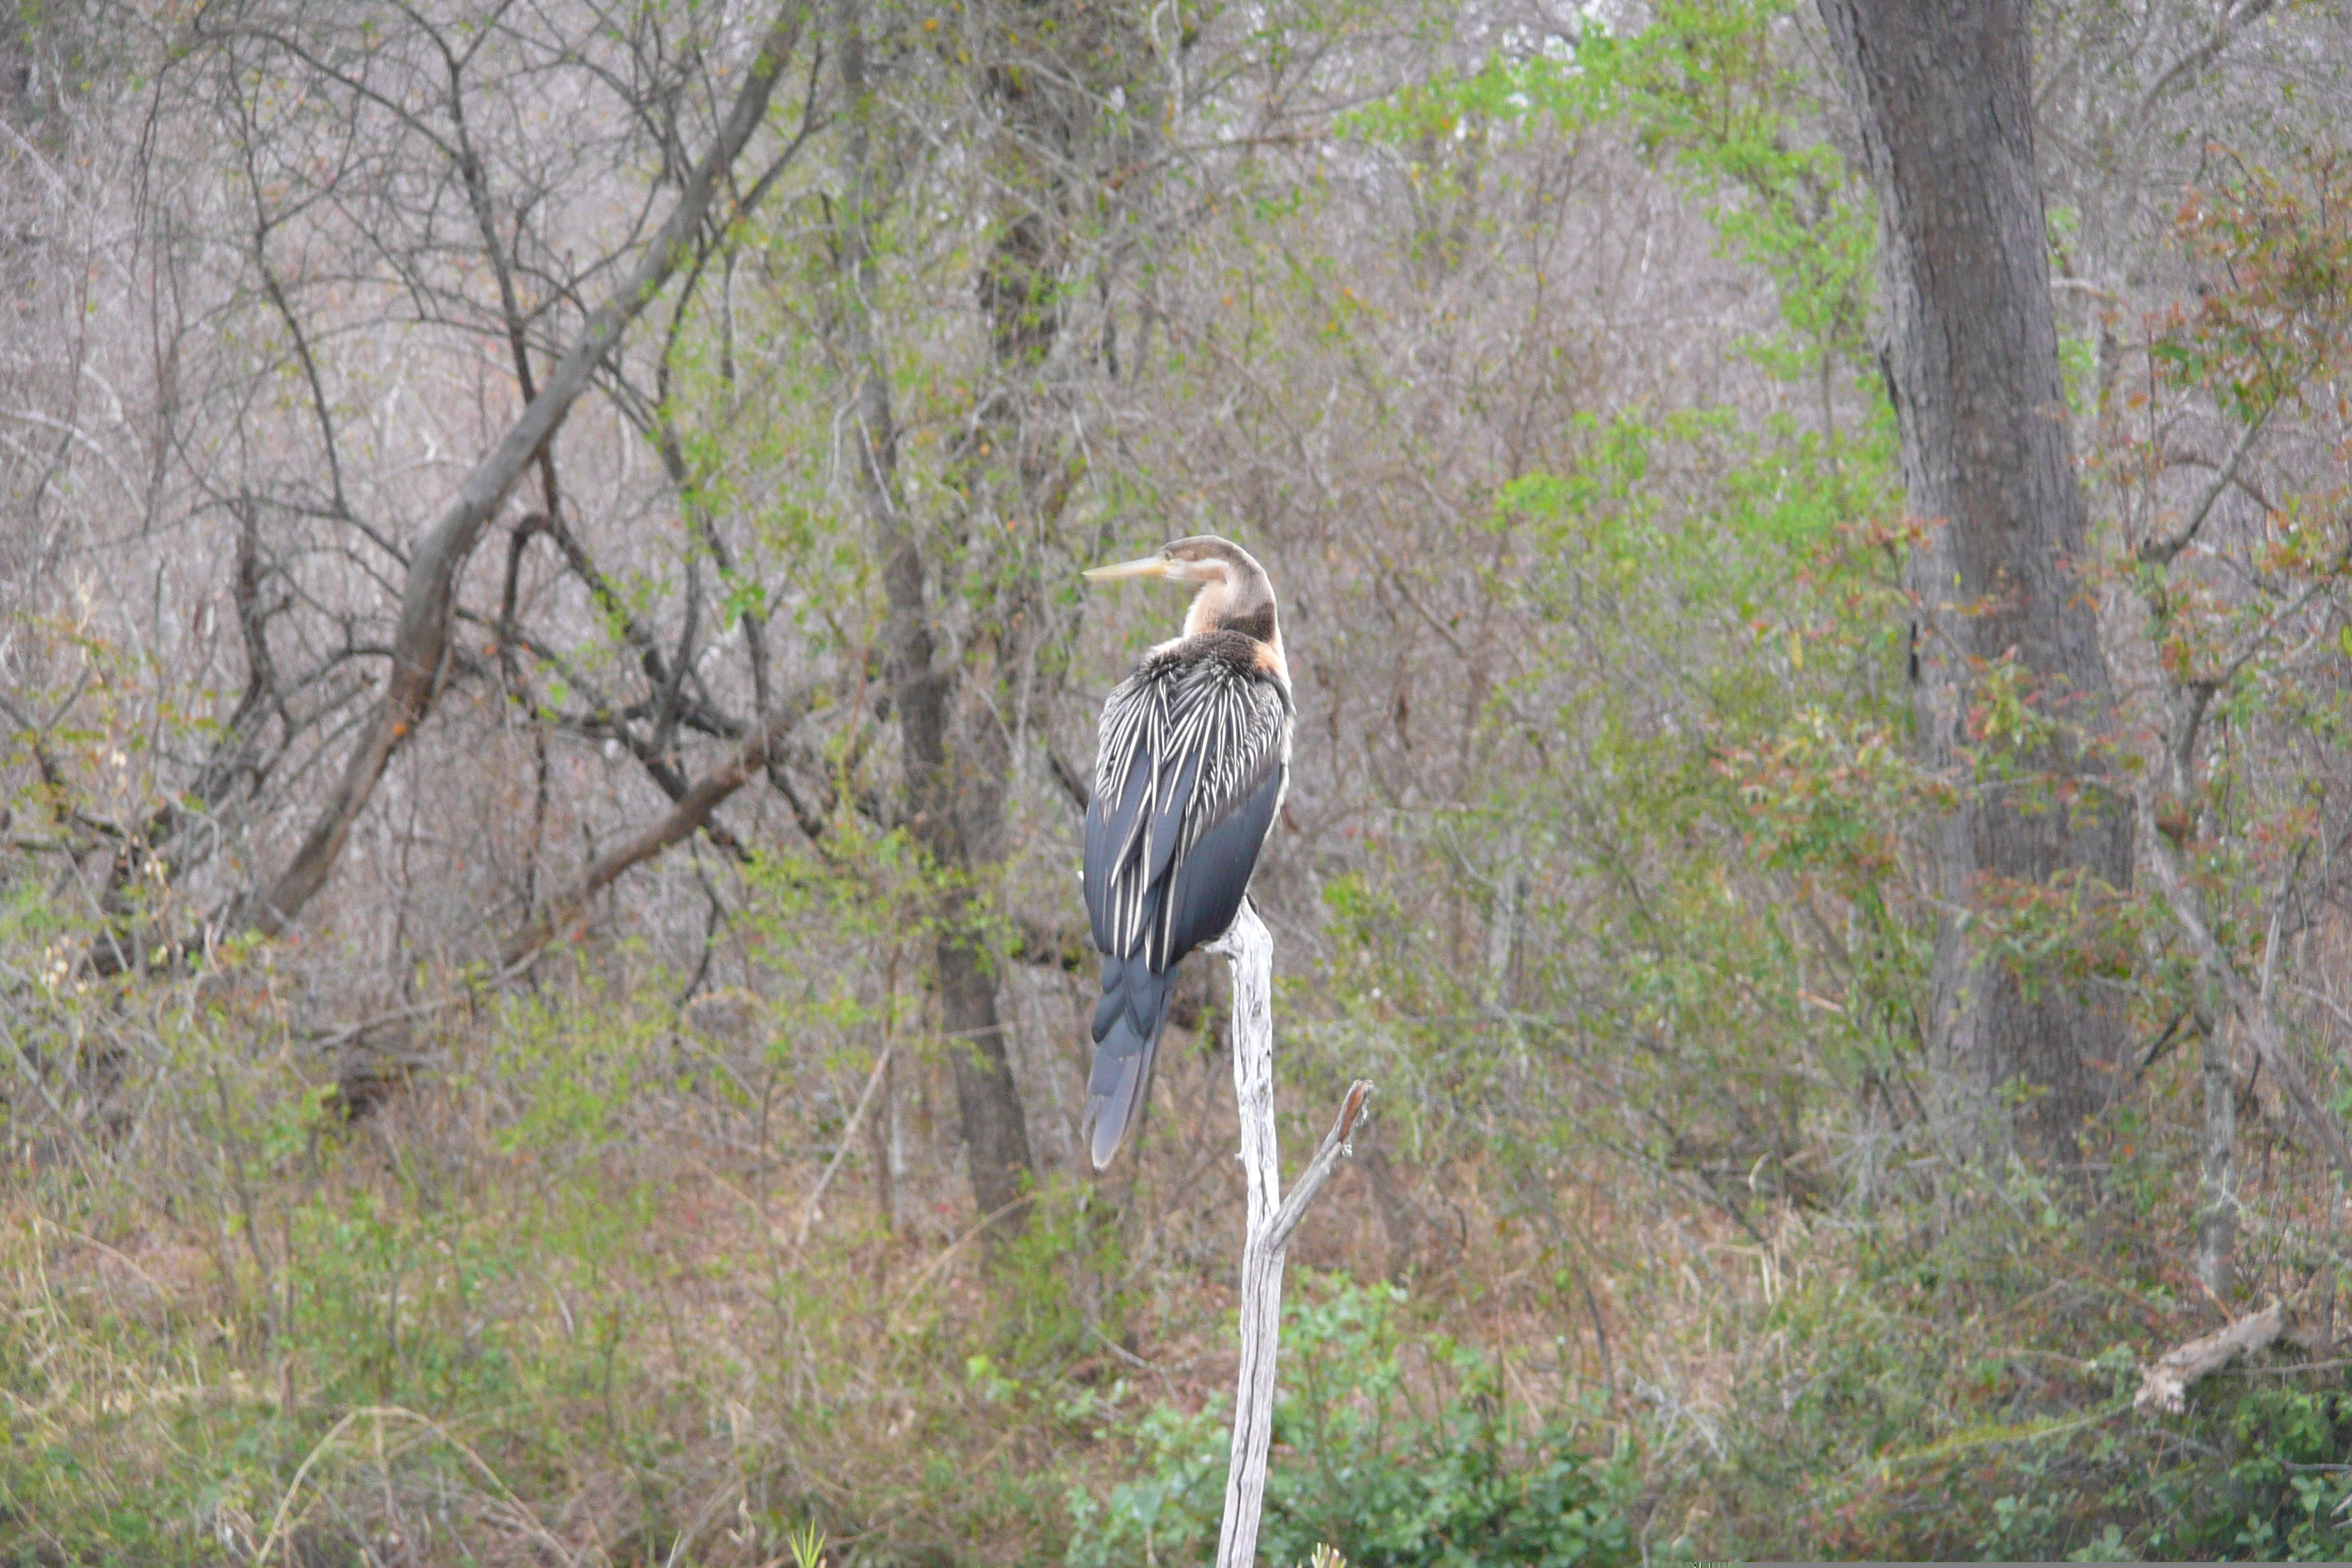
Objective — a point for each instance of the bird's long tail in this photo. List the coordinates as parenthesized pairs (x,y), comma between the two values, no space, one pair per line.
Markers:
(1127,1033)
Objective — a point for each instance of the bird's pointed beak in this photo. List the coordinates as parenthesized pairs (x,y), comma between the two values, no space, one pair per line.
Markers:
(1150,566)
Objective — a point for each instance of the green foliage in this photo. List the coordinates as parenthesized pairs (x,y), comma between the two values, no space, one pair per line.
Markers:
(1056,1278)
(1653,946)
(1397,1449)
(1707,821)
(1707,88)
(398,1294)
(504,1313)
(1703,754)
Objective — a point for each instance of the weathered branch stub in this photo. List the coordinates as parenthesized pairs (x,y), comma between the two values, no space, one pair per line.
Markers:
(1248,948)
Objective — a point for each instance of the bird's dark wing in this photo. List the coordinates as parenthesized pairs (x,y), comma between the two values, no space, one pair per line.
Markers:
(1191,760)
(1120,807)
(1111,822)
(1212,878)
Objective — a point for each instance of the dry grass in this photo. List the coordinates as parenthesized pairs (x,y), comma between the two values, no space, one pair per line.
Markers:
(546,1302)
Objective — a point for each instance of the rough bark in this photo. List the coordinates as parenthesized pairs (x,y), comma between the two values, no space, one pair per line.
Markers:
(1016,471)
(429,599)
(940,785)
(2217,1220)
(1943,93)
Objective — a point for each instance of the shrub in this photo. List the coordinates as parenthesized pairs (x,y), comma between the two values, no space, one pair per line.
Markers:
(1969,1395)
(1394,1470)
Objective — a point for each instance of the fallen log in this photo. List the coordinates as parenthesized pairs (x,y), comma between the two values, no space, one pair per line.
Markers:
(2165,1385)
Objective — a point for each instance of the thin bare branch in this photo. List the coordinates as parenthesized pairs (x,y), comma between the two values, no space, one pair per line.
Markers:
(2160,551)
(421,640)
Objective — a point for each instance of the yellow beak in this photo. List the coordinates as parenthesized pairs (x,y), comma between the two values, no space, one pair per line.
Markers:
(1150,566)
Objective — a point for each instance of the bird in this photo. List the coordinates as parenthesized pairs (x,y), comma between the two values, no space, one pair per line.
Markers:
(1192,758)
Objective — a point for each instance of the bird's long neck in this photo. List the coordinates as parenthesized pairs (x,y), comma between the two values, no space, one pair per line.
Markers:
(1224,605)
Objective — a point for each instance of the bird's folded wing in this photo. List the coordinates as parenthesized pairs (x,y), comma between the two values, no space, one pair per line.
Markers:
(1239,730)
(1120,809)
(1188,775)
(1211,876)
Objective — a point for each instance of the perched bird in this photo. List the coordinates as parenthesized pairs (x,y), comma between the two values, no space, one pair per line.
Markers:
(1190,765)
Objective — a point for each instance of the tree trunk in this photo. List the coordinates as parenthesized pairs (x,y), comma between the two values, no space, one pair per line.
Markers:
(1943,92)
(950,800)
(2217,1220)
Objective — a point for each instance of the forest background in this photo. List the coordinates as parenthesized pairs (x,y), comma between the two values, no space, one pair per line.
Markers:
(547,705)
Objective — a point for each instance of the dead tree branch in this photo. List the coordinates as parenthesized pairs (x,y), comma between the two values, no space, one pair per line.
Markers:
(2165,1384)
(692,812)
(2160,551)
(2233,23)
(1248,948)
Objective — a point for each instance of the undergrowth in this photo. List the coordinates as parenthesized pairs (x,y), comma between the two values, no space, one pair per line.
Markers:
(1967,1391)
(548,1298)
(566,1292)
(1399,1448)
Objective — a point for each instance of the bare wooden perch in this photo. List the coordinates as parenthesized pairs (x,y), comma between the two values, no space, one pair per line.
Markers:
(2165,1384)
(1248,947)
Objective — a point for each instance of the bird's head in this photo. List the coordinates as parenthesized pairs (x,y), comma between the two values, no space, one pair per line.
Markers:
(1235,593)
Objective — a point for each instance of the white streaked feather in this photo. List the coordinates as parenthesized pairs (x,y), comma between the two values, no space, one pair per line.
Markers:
(1165,712)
